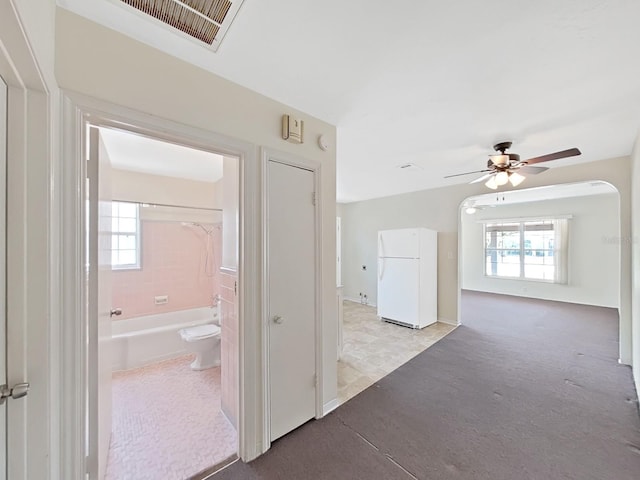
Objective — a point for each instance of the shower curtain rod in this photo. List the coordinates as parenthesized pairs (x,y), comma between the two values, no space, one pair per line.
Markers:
(167,205)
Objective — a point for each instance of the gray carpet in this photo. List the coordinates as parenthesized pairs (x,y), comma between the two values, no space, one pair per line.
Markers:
(525,389)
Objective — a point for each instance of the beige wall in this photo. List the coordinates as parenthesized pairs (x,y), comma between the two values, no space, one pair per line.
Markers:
(438,209)
(104,64)
(38,18)
(634,240)
(593,257)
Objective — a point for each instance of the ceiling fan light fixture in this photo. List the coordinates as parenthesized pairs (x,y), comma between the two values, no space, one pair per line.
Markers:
(502,178)
(491,183)
(500,160)
(516,179)
(502,166)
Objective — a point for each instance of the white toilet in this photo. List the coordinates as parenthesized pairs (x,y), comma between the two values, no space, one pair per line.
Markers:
(204,341)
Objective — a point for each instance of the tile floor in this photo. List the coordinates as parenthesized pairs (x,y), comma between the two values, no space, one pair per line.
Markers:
(166,416)
(373,348)
(167,422)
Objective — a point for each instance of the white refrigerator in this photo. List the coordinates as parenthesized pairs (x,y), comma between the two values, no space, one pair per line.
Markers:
(408,276)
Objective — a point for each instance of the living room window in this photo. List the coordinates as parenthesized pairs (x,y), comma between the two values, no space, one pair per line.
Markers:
(125,235)
(527,250)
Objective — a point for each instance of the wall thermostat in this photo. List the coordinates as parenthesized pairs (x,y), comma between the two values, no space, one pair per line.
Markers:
(292,129)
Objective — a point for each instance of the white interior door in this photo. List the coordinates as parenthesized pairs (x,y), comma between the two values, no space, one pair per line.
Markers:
(230,325)
(292,296)
(338,252)
(100,307)
(3,271)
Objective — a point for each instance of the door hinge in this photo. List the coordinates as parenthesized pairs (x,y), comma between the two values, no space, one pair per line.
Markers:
(19,390)
(313,198)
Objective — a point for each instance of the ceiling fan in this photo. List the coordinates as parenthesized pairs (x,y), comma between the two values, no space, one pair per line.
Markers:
(506,167)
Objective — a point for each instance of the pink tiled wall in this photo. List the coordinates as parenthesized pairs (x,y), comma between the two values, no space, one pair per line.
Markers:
(173,264)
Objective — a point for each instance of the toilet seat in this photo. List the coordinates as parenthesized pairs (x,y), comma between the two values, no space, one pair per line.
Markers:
(199,332)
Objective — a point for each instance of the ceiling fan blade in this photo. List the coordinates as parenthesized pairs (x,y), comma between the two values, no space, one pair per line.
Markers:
(482,178)
(572,152)
(469,173)
(532,170)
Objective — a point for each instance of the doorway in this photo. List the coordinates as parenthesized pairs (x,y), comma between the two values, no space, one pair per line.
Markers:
(155,244)
(29,294)
(558,242)
(3,271)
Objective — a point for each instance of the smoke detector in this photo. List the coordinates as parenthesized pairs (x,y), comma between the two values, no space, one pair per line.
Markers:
(205,20)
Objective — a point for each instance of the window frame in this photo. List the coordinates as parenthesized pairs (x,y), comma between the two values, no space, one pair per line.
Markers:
(137,234)
(559,257)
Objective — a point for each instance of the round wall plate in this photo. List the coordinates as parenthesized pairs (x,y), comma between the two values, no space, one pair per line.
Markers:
(323,143)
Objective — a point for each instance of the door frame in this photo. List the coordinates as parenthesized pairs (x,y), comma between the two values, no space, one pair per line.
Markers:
(269,154)
(32,302)
(4,130)
(78,110)
(624,305)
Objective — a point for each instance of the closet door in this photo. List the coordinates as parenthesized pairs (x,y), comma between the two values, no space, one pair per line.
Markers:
(292,296)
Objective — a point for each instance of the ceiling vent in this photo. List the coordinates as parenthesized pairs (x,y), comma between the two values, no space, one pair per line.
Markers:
(205,20)
(409,167)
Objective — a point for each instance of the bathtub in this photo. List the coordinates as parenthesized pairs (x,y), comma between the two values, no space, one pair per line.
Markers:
(139,341)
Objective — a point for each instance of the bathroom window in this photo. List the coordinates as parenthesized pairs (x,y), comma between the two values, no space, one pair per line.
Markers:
(527,250)
(125,235)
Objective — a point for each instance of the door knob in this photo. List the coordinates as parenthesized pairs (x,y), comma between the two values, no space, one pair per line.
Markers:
(115,311)
(278,319)
(19,390)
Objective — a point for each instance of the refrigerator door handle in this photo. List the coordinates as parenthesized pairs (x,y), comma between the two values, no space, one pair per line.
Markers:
(380,246)
(380,268)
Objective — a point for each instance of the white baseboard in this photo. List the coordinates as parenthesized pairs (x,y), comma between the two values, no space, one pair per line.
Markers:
(448,322)
(357,300)
(330,406)
(351,299)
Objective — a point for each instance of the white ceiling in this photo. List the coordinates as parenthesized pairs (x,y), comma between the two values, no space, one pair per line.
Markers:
(431,83)
(137,153)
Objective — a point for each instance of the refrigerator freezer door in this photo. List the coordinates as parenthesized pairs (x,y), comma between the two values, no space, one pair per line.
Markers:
(404,243)
(398,289)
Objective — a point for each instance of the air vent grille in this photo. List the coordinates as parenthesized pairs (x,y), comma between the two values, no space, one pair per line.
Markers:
(206,20)
(409,166)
